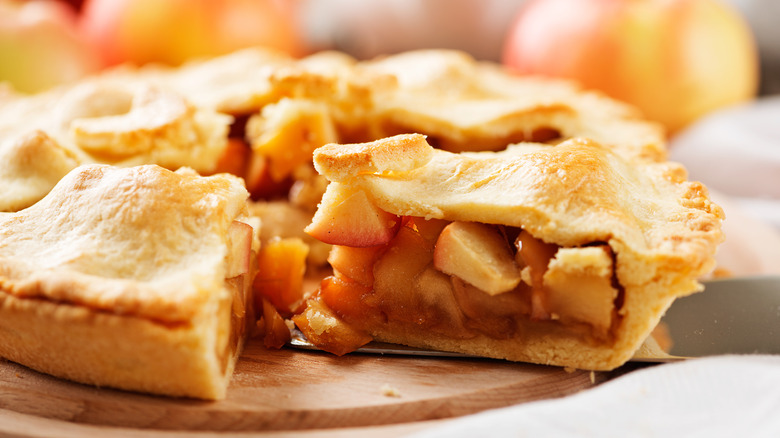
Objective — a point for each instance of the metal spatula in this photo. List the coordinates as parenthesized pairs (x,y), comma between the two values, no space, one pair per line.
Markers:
(731,316)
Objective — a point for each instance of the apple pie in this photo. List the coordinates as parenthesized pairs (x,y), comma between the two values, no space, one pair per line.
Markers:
(479,239)
(564,254)
(136,278)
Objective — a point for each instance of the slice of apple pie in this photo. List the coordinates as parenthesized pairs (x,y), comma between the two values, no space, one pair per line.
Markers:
(563,254)
(136,278)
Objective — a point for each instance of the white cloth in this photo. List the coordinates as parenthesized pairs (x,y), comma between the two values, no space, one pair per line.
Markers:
(720,396)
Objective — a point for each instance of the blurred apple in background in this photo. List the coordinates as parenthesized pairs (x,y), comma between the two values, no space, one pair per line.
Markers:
(366,29)
(173,31)
(40,46)
(674,59)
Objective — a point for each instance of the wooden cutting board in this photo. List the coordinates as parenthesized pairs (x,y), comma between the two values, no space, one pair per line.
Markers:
(285,390)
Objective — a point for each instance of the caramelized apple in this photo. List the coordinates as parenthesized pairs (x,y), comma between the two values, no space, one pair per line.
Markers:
(430,229)
(345,297)
(406,256)
(234,159)
(347,217)
(494,316)
(535,255)
(259,182)
(355,263)
(239,249)
(478,254)
(273,328)
(437,301)
(287,132)
(281,267)
(578,283)
(327,331)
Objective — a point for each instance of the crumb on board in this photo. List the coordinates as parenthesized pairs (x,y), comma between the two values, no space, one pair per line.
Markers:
(593,377)
(389,391)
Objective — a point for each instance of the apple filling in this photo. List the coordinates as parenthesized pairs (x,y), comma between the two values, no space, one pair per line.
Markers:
(457,279)
(238,272)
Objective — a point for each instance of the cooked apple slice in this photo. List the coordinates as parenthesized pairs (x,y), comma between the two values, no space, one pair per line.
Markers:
(478,254)
(394,273)
(287,132)
(274,331)
(327,331)
(355,263)
(234,159)
(534,255)
(347,217)
(240,249)
(281,267)
(429,228)
(578,285)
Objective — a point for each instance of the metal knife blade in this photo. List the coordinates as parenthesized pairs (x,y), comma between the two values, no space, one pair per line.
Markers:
(731,316)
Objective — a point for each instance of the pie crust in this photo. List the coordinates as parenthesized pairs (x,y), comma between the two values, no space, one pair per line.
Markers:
(128,278)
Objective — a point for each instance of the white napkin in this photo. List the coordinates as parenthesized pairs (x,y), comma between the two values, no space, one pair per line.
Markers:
(721,396)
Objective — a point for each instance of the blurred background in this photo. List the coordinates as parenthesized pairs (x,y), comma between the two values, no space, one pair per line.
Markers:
(708,70)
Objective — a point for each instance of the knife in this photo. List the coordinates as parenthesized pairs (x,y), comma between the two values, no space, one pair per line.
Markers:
(731,316)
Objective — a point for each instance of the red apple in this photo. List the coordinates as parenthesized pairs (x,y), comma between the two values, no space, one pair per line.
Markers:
(347,217)
(40,46)
(173,31)
(675,60)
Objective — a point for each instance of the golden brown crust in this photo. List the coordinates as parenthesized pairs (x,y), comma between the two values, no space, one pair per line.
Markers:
(32,165)
(130,256)
(397,154)
(180,116)
(468,106)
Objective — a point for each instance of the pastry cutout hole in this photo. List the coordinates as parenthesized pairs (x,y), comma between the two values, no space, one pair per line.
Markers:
(98,102)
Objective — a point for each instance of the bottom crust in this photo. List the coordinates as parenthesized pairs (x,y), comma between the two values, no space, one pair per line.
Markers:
(546,342)
(192,359)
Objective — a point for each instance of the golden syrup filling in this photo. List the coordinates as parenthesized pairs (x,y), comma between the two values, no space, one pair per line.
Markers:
(461,279)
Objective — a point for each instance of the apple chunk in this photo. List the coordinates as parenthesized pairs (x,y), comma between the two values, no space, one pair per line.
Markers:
(327,331)
(479,255)
(347,217)
(578,284)
(239,249)
(281,266)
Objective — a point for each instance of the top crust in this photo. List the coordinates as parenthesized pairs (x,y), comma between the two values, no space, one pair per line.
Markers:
(397,154)
(572,194)
(140,241)
(182,116)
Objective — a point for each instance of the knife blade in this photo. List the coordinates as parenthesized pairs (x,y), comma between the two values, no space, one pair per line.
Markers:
(731,316)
